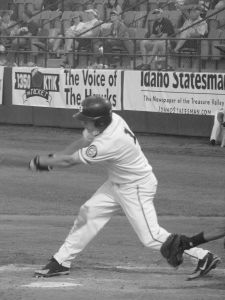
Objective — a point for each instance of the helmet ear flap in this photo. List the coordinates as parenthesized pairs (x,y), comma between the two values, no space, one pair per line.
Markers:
(103,121)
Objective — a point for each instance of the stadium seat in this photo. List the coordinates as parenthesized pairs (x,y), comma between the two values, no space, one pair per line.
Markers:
(134,18)
(139,19)
(79,5)
(20,4)
(218,47)
(35,5)
(221,19)
(152,4)
(143,7)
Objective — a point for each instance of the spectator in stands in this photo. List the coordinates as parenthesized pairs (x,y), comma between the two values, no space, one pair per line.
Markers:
(72,32)
(5,23)
(205,6)
(55,41)
(109,6)
(34,7)
(4,5)
(220,5)
(87,33)
(196,27)
(214,3)
(120,34)
(8,27)
(91,29)
(156,44)
(27,28)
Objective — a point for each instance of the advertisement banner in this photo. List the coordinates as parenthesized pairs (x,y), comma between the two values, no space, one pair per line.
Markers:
(174,92)
(64,88)
(1,83)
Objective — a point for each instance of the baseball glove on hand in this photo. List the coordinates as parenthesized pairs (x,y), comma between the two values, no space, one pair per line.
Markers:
(34,165)
(172,250)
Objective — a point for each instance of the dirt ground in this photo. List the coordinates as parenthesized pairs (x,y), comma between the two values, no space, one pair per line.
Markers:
(37,211)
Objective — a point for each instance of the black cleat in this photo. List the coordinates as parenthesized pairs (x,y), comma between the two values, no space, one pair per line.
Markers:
(204,266)
(53,268)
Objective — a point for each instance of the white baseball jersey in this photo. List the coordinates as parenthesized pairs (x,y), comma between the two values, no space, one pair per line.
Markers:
(119,149)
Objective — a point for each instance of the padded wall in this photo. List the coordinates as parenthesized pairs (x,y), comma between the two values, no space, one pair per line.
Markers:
(146,122)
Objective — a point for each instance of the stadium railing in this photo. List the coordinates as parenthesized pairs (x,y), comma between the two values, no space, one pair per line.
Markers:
(204,54)
(201,57)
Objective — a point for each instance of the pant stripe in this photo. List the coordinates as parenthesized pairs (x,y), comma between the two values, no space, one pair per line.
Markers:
(142,209)
(146,220)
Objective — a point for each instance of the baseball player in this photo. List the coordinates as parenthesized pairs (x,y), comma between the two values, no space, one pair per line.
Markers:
(131,184)
(218,130)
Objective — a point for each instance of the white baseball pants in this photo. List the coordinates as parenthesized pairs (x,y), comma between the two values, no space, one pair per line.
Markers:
(218,131)
(137,204)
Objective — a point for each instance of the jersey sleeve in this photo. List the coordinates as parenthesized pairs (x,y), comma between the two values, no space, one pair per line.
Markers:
(94,153)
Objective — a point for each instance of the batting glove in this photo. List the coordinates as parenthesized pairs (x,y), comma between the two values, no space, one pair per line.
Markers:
(34,165)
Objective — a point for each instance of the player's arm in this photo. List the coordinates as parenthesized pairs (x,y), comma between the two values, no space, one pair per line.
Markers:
(73,147)
(65,158)
(48,162)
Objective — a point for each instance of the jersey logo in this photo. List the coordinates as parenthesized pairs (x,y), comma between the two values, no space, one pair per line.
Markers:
(91,151)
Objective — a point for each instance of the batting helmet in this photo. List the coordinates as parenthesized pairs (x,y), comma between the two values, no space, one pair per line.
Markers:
(97,109)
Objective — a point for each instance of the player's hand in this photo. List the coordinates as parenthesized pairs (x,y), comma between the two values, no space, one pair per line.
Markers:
(35,166)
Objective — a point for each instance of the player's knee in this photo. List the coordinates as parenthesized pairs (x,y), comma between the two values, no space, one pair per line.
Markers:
(82,216)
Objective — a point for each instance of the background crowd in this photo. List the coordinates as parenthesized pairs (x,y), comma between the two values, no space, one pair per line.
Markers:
(106,29)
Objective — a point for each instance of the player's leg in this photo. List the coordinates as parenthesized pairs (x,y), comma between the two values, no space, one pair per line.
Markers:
(210,260)
(92,217)
(137,203)
(216,133)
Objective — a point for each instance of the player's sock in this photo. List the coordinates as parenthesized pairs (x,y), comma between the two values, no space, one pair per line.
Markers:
(197,239)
